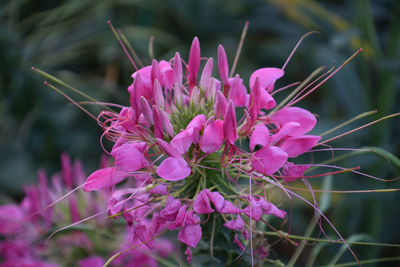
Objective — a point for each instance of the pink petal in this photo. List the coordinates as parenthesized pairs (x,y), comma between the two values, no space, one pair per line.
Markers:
(223,65)
(11,219)
(267,77)
(230,131)
(190,235)
(197,122)
(235,224)
(260,136)
(292,170)
(254,99)
(183,140)
(201,204)
(188,254)
(171,209)
(213,137)
(266,100)
(269,159)
(129,159)
(194,63)
(173,169)
(270,208)
(167,74)
(285,131)
(297,145)
(238,92)
(103,178)
(303,117)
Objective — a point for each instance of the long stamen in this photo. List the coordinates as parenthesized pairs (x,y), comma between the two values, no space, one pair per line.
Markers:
(239,50)
(122,45)
(296,46)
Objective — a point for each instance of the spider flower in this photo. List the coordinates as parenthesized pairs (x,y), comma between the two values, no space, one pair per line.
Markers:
(183,152)
(25,226)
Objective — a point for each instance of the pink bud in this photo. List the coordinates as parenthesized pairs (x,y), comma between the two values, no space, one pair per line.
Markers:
(220,105)
(194,63)
(230,131)
(206,74)
(166,123)
(158,127)
(223,65)
(158,94)
(178,69)
(238,92)
(146,109)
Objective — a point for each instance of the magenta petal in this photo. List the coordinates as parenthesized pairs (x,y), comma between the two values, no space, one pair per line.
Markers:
(270,208)
(217,199)
(303,117)
(160,189)
(269,159)
(267,77)
(285,131)
(213,137)
(178,74)
(292,170)
(238,92)
(103,178)
(266,100)
(295,146)
(183,140)
(197,122)
(167,74)
(260,136)
(129,159)
(201,204)
(190,235)
(11,219)
(173,169)
(235,224)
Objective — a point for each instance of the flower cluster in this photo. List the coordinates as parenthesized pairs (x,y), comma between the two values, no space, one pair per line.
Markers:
(186,153)
(25,226)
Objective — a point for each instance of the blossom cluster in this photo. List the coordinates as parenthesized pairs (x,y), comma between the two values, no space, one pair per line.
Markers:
(187,155)
(25,226)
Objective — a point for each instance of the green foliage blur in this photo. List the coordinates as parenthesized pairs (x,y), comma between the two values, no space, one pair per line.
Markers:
(72,41)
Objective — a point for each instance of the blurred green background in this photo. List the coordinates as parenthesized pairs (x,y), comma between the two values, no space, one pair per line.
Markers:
(72,41)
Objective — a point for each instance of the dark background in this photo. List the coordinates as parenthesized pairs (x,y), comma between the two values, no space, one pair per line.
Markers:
(72,41)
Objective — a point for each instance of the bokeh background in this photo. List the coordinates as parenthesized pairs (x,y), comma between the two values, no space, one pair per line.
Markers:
(72,41)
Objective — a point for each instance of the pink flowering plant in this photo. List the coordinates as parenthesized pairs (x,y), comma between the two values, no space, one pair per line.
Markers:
(199,152)
(31,231)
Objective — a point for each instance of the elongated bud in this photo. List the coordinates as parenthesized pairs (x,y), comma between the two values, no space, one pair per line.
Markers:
(66,170)
(147,112)
(178,68)
(254,99)
(166,123)
(194,63)
(211,90)
(223,67)
(195,95)
(178,94)
(230,132)
(206,74)
(155,72)
(220,105)
(158,129)
(158,94)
